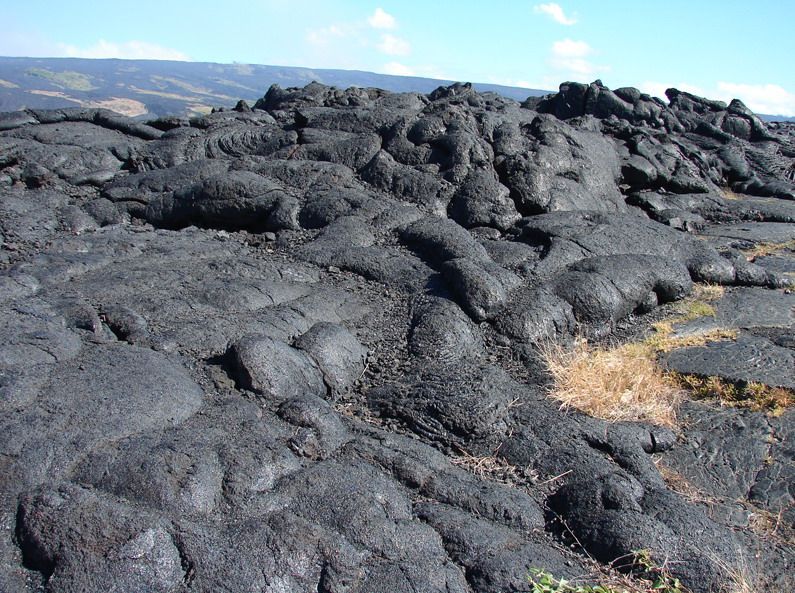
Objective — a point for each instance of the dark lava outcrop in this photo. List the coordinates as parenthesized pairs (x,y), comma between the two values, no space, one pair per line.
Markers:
(274,348)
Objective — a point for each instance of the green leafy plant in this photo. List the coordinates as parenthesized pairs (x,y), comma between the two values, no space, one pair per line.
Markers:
(544,582)
(660,579)
(648,577)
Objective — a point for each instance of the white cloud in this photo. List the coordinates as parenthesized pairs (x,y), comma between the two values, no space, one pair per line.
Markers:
(394,46)
(568,48)
(398,69)
(555,12)
(325,35)
(770,99)
(569,59)
(127,50)
(381,19)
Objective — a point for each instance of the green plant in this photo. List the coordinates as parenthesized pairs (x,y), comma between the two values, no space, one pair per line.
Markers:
(647,577)
(660,578)
(544,582)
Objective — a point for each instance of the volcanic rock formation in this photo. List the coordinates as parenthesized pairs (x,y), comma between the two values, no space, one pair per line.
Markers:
(294,347)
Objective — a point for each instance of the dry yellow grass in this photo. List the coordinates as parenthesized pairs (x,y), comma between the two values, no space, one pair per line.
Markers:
(769,524)
(763,249)
(128,107)
(199,109)
(695,306)
(729,194)
(617,384)
(663,339)
(737,576)
(708,292)
(679,484)
(625,383)
(756,396)
(490,467)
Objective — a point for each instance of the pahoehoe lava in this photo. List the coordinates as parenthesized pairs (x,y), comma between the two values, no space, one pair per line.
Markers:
(272,348)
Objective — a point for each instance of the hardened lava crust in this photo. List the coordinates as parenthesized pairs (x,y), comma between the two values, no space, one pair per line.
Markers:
(295,347)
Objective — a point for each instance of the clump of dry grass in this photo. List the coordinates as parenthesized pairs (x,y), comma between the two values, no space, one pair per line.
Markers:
(772,525)
(756,396)
(617,384)
(729,194)
(494,468)
(709,292)
(737,576)
(682,486)
(663,339)
(625,383)
(695,306)
(763,249)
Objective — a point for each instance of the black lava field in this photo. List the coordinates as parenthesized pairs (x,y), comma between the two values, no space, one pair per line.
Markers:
(297,346)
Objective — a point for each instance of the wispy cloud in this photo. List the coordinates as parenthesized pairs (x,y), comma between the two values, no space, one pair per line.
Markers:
(128,50)
(570,58)
(761,98)
(555,12)
(325,35)
(770,99)
(394,46)
(355,44)
(381,19)
(568,48)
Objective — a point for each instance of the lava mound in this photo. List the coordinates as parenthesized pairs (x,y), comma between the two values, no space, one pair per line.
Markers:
(304,345)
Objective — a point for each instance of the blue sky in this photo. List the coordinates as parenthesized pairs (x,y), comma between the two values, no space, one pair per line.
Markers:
(720,49)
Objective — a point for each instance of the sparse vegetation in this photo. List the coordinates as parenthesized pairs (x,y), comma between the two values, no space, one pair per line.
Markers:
(764,249)
(756,396)
(198,109)
(494,468)
(771,525)
(737,576)
(696,306)
(663,340)
(67,79)
(623,383)
(680,484)
(646,577)
(708,292)
(729,194)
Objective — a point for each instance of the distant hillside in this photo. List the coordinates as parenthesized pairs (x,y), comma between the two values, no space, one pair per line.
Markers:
(775,117)
(155,88)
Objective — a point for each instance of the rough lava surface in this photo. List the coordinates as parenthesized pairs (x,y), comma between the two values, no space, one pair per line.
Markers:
(272,349)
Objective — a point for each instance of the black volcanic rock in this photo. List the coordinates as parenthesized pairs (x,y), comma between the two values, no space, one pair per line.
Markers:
(294,347)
